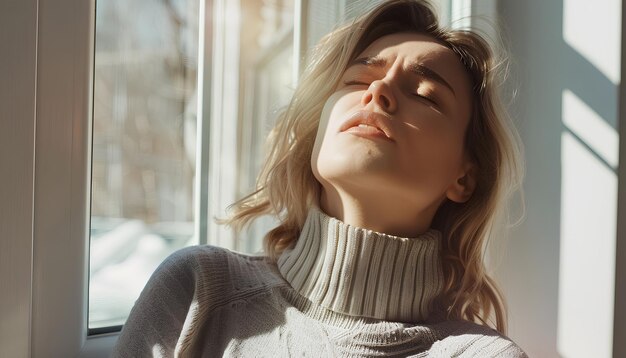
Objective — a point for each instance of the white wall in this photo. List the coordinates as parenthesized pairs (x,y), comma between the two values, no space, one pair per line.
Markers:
(560,265)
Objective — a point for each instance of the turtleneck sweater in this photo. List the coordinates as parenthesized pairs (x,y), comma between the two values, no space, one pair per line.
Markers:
(361,272)
(338,291)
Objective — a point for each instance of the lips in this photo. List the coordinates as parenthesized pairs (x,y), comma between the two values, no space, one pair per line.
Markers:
(365,119)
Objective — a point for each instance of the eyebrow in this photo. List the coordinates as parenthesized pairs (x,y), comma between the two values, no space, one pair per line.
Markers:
(414,67)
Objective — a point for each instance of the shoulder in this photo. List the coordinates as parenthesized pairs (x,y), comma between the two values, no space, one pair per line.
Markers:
(207,257)
(202,259)
(192,256)
(468,339)
(190,280)
(218,269)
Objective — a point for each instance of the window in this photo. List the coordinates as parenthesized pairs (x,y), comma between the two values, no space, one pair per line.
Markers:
(143,148)
(144,144)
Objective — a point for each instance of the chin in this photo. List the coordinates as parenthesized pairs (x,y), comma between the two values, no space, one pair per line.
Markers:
(353,168)
(351,158)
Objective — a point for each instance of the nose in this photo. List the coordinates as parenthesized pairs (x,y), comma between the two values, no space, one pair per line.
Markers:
(379,94)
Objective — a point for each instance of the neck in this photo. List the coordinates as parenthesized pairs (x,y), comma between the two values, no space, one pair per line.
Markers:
(393,216)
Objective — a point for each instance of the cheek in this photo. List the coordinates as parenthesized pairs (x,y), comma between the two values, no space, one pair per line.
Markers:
(434,152)
(335,109)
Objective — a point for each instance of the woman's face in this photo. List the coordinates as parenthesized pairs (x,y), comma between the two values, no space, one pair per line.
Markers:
(395,125)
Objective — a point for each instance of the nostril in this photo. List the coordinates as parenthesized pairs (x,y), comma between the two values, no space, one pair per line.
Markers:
(385,101)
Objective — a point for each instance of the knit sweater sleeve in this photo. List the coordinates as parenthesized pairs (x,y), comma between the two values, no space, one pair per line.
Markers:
(467,339)
(156,320)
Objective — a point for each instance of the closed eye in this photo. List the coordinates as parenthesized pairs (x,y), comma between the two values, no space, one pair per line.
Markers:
(355,83)
(425,98)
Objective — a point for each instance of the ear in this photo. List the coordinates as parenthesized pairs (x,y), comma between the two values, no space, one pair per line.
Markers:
(461,190)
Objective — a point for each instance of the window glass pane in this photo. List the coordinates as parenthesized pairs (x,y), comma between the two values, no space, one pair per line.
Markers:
(266,52)
(144,147)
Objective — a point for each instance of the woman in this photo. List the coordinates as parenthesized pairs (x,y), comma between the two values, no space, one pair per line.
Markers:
(385,171)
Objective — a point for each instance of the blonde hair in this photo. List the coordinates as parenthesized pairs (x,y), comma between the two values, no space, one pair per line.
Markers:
(286,186)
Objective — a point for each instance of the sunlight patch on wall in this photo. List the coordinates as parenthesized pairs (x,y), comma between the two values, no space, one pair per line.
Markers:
(587,252)
(599,40)
(585,123)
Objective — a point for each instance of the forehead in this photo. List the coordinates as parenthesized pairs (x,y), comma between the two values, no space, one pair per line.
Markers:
(412,46)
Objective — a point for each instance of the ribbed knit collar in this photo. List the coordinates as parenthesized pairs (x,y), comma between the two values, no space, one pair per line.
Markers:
(361,272)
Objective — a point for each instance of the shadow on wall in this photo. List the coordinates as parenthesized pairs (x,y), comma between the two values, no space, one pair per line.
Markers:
(559,276)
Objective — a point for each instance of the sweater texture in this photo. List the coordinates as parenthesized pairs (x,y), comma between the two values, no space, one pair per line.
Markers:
(339,291)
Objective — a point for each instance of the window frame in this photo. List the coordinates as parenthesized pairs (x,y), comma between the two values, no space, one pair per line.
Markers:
(64,95)
(18,20)
(62,163)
